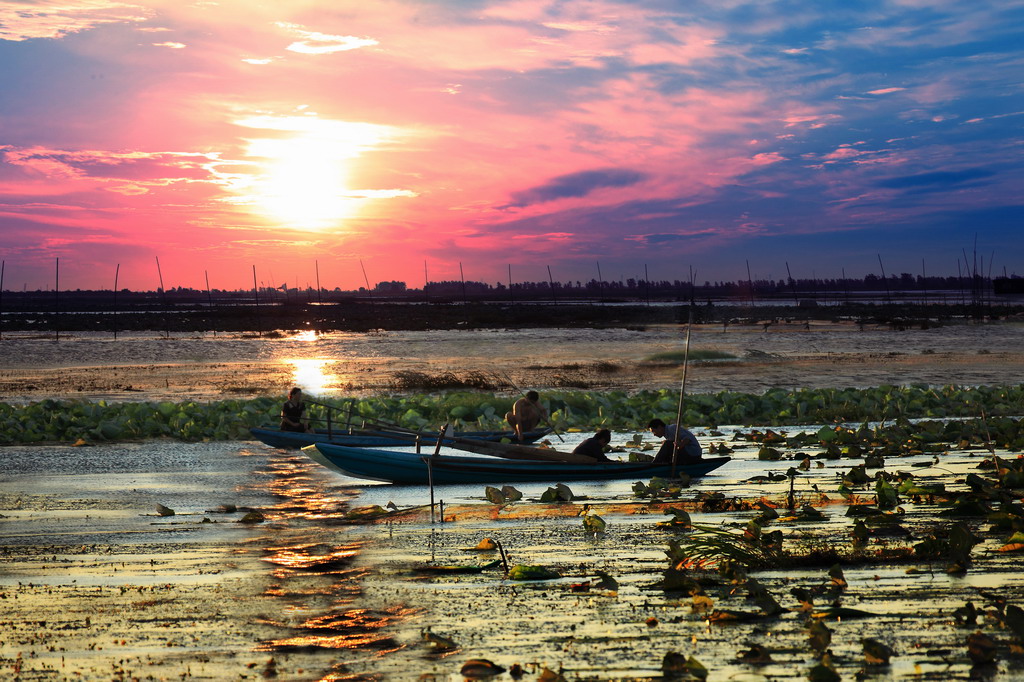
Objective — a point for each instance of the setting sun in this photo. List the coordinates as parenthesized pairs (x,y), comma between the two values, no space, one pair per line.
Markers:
(306,180)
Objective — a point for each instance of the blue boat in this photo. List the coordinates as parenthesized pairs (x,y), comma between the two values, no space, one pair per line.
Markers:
(378,439)
(409,468)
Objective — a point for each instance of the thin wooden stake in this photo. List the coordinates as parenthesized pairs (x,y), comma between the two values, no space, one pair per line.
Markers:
(56,300)
(256,297)
(117,272)
(3,266)
(319,291)
(682,393)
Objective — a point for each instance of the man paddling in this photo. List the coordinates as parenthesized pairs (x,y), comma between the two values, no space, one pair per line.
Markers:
(526,413)
(675,437)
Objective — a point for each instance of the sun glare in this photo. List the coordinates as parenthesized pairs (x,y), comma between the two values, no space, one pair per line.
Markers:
(306,181)
(312,375)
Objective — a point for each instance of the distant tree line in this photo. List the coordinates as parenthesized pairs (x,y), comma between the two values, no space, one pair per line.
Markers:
(967,289)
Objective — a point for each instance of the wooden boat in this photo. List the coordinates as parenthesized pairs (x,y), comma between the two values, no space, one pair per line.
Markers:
(409,468)
(277,438)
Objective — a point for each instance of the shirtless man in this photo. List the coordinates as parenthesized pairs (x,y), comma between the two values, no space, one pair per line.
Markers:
(526,413)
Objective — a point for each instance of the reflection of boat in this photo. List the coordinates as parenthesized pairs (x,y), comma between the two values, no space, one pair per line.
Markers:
(409,468)
(382,438)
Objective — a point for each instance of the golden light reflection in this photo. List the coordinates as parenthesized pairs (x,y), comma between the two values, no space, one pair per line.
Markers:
(312,375)
(349,629)
(307,335)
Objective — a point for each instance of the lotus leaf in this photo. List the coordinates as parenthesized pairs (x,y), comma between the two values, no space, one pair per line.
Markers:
(559,493)
(594,524)
(1014,544)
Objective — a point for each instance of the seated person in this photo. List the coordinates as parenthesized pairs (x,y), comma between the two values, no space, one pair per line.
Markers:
(526,413)
(291,413)
(594,446)
(689,448)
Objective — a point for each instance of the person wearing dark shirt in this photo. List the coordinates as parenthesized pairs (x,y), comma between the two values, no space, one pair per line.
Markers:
(594,446)
(689,448)
(292,413)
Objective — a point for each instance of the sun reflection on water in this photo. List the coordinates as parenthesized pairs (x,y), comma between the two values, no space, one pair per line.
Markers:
(312,375)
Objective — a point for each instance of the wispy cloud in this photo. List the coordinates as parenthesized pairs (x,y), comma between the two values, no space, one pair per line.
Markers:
(575,185)
(57,18)
(314,42)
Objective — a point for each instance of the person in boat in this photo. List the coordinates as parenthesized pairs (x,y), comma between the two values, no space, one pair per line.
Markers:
(526,414)
(595,445)
(675,437)
(292,413)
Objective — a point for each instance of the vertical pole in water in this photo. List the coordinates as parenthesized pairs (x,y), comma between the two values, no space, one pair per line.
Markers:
(750,283)
(600,281)
(682,393)
(319,291)
(367,280)
(3,266)
(888,296)
(56,300)
(511,297)
(256,297)
(426,282)
(924,284)
(117,271)
(462,277)
(792,284)
(430,470)
(647,285)
(209,300)
(551,281)
(163,297)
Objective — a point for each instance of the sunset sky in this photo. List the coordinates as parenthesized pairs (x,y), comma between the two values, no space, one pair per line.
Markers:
(405,138)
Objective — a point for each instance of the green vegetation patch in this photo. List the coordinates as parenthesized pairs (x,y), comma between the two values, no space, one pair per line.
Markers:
(989,407)
(676,357)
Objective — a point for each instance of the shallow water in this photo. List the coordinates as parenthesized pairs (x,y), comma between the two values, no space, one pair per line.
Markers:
(784,355)
(329,597)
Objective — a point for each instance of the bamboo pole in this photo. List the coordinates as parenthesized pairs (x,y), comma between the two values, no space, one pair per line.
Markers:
(163,298)
(462,278)
(319,291)
(3,266)
(56,300)
(430,470)
(209,301)
(367,280)
(117,272)
(647,285)
(256,298)
(682,394)
(888,295)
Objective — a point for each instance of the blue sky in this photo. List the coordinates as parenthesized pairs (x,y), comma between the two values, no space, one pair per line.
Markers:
(398,136)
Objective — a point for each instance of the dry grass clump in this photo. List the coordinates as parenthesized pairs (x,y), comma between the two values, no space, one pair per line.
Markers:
(676,357)
(409,380)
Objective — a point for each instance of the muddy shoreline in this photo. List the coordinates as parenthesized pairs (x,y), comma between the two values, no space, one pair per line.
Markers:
(275,319)
(96,586)
(145,366)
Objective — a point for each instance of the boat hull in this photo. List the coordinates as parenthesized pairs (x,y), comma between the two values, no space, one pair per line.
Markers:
(408,468)
(277,438)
